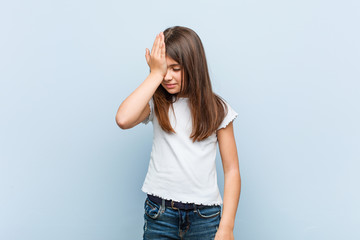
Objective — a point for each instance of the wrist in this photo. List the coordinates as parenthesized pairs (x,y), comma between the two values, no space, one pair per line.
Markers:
(156,75)
(226,227)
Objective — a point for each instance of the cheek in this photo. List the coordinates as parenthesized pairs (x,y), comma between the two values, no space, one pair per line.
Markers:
(178,77)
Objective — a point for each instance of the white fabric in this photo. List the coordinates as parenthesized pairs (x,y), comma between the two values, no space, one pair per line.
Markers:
(179,169)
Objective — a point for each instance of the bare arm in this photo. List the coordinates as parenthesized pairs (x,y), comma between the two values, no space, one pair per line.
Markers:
(134,108)
(232,184)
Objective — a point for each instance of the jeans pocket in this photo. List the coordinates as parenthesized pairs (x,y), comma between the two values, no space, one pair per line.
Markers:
(209,212)
(152,209)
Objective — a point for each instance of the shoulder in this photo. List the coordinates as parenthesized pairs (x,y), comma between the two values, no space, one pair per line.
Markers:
(148,112)
(230,115)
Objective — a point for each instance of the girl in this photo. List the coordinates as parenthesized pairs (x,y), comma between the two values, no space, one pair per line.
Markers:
(183,199)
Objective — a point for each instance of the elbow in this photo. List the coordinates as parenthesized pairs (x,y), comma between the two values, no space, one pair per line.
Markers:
(233,173)
(121,123)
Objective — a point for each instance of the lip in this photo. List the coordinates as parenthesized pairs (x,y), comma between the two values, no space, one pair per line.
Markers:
(170,85)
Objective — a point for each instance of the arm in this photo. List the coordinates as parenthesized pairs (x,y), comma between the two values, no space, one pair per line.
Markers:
(232,184)
(134,107)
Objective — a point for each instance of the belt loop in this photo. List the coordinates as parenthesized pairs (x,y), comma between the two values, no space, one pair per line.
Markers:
(195,209)
(163,205)
(172,205)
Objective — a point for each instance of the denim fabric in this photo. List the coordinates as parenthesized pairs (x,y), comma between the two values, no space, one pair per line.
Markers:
(167,223)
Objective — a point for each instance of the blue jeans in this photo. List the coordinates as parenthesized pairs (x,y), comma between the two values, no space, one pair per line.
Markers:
(162,222)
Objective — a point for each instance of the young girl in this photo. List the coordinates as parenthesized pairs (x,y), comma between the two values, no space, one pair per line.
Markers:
(183,199)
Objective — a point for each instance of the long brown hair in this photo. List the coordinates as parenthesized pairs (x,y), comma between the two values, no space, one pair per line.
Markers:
(207,108)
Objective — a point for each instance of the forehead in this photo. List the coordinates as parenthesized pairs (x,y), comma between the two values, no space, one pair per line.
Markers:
(171,62)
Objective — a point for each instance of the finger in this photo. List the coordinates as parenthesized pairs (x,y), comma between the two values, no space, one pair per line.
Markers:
(161,43)
(157,44)
(154,45)
(157,47)
(163,49)
(147,56)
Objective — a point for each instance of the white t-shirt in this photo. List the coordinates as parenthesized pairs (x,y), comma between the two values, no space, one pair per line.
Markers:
(179,169)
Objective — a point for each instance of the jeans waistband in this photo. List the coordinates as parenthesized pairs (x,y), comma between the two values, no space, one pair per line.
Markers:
(175,204)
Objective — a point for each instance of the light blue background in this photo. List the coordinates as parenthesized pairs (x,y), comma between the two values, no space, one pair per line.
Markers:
(289,68)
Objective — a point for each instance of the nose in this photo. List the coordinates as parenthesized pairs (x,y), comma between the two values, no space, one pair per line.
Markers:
(168,75)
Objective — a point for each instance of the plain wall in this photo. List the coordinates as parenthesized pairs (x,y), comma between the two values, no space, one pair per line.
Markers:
(289,68)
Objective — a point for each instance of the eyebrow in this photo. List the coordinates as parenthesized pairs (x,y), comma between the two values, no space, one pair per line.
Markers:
(176,64)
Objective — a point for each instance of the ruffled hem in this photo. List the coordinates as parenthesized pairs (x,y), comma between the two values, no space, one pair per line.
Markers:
(225,125)
(177,200)
(147,119)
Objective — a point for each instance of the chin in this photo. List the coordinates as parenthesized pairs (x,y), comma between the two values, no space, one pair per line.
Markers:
(172,91)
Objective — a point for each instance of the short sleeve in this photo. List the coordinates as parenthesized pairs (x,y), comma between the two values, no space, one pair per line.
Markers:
(230,116)
(151,115)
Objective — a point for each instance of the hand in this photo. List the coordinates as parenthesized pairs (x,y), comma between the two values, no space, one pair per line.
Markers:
(156,60)
(223,234)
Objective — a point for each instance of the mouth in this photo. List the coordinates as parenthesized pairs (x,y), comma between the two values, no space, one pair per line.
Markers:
(170,85)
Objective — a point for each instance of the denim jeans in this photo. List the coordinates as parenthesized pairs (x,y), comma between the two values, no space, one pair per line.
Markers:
(162,222)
